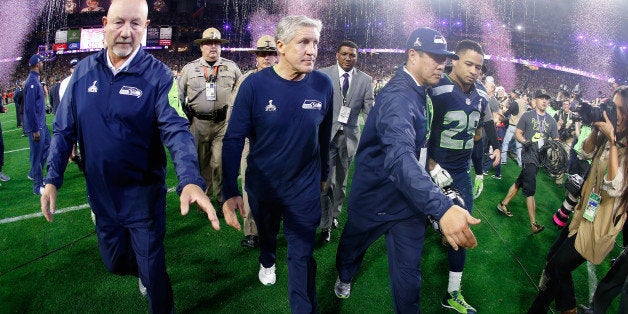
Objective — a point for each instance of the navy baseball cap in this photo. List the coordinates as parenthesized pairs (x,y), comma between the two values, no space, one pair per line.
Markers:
(430,41)
(73,62)
(35,59)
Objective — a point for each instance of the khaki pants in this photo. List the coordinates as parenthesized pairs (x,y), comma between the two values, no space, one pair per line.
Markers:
(208,137)
(249,223)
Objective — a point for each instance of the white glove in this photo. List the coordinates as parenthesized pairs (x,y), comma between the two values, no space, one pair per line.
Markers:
(441,177)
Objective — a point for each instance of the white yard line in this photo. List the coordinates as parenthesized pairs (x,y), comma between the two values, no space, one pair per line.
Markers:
(39,214)
(16,150)
(13,130)
(58,211)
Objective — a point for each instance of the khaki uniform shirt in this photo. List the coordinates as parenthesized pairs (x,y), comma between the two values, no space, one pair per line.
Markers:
(194,78)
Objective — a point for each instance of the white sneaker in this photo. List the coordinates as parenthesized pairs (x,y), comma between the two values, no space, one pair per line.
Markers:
(142,288)
(4,177)
(267,275)
(342,289)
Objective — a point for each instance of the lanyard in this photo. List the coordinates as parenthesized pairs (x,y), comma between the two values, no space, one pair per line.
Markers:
(211,78)
(541,125)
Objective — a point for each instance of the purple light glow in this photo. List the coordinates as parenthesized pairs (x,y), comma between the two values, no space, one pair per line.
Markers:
(591,54)
(14,32)
(495,40)
(261,24)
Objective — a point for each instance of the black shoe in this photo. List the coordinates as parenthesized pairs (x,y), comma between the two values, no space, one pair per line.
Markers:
(584,309)
(334,223)
(250,241)
(326,235)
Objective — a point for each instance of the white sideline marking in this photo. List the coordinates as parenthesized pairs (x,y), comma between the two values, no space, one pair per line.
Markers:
(58,211)
(12,130)
(39,214)
(592,275)
(17,150)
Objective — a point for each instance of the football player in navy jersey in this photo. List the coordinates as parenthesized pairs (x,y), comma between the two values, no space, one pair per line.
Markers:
(460,104)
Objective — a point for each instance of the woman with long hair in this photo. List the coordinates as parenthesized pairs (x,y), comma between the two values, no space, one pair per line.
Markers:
(598,217)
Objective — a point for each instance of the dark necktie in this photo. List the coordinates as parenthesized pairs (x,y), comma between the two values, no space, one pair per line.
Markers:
(345,85)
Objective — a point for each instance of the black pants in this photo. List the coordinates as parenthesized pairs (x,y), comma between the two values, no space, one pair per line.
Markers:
(562,259)
(613,283)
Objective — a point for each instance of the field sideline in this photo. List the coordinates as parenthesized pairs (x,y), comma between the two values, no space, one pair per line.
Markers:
(56,267)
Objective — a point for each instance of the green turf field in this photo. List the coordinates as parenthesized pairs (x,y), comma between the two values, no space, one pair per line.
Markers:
(56,267)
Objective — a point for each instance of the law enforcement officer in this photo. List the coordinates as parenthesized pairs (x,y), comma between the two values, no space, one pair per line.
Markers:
(205,89)
(265,56)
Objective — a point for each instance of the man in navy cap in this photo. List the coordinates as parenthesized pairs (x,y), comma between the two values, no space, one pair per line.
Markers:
(35,122)
(392,194)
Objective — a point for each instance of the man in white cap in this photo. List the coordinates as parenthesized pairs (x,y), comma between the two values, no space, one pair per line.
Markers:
(65,81)
(265,56)
(205,90)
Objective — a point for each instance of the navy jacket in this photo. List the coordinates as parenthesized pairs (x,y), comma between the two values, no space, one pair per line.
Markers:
(122,124)
(389,183)
(34,104)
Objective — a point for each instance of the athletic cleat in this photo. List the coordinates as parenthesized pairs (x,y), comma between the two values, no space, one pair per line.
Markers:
(267,275)
(142,288)
(4,177)
(455,301)
(504,209)
(342,290)
(496,177)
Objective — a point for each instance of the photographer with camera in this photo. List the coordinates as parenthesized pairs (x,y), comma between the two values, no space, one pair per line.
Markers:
(600,214)
(577,168)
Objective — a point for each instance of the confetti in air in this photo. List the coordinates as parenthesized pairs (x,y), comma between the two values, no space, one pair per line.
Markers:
(17,20)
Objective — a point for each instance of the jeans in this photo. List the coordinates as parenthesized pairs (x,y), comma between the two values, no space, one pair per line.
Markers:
(510,133)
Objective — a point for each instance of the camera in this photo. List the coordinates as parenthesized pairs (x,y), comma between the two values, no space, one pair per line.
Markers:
(556,104)
(574,187)
(566,133)
(591,114)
